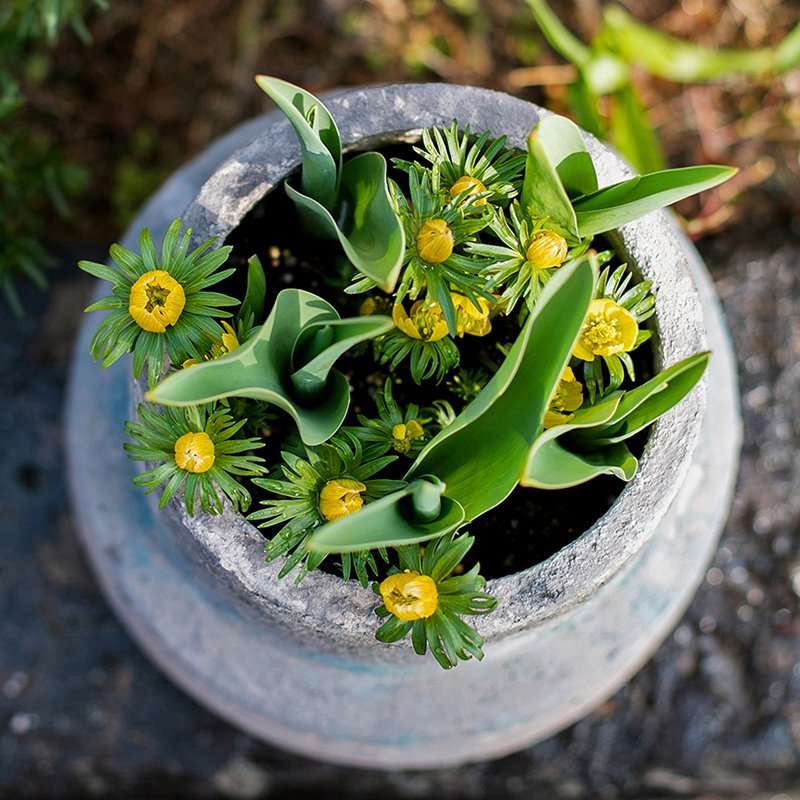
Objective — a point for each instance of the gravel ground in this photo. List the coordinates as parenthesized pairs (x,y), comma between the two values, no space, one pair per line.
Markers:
(715,714)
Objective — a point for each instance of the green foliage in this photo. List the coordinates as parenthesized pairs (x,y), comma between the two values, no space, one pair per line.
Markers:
(300,513)
(506,417)
(592,442)
(415,513)
(349,201)
(288,363)
(194,329)
(155,435)
(35,180)
(605,70)
(444,633)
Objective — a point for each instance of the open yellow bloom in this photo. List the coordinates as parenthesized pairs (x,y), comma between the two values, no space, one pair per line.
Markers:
(404,434)
(546,250)
(340,497)
(409,595)
(468,318)
(426,320)
(568,397)
(608,328)
(473,184)
(194,452)
(156,300)
(435,241)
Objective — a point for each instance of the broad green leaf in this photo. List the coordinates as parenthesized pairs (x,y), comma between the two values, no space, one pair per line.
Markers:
(623,202)
(318,134)
(684,62)
(504,420)
(632,132)
(387,523)
(369,230)
(552,466)
(566,150)
(558,35)
(310,380)
(590,444)
(543,194)
(256,293)
(643,405)
(261,369)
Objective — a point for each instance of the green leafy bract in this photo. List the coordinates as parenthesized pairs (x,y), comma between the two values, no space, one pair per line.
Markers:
(592,442)
(262,368)
(506,417)
(348,201)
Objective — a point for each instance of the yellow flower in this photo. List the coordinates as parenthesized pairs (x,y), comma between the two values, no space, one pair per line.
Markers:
(426,321)
(404,433)
(473,184)
(546,250)
(194,452)
(340,497)
(567,397)
(608,328)
(409,595)
(156,300)
(227,344)
(468,318)
(435,241)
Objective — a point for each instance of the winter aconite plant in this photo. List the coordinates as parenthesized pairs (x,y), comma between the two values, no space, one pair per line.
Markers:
(477,334)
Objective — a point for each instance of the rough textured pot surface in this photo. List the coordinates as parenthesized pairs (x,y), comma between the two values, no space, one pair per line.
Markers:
(299,665)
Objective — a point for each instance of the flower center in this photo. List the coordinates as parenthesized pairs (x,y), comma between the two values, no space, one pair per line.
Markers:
(435,241)
(609,328)
(410,596)
(156,300)
(194,452)
(340,497)
(600,331)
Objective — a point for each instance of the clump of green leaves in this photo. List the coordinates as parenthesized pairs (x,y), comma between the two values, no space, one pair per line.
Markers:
(487,296)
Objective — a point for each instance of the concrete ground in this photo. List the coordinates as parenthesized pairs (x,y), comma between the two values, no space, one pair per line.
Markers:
(715,714)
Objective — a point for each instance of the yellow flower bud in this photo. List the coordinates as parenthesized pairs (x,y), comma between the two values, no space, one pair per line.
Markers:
(404,433)
(547,249)
(435,241)
(468,318)
(473,184)
(194,452)
(156,300)
(340,497)
(409,595)
(608,328)
(568,397)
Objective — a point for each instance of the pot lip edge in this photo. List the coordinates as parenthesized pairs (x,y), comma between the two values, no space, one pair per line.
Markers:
(588,539)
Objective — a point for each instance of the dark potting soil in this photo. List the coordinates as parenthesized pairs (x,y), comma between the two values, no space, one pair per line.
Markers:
(531,524)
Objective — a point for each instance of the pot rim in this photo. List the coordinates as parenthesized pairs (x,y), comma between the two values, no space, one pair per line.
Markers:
(325,607)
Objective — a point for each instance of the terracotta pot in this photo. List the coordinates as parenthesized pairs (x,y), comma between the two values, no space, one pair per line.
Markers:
(299,665)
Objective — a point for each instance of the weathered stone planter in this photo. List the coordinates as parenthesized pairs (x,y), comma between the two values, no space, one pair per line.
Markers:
(299,666)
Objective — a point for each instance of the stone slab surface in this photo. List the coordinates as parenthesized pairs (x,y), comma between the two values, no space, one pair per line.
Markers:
(715,714)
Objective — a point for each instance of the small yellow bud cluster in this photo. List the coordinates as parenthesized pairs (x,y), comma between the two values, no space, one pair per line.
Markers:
(410,596)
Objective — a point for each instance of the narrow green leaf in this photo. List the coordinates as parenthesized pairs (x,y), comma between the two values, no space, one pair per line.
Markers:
(386,523)
(256,293)
(566,150)
(318,134)
(558,35)
(623,202)
(369,230)
(261,369)
(684,62)
(543,194)
(643,405)
(504,420)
